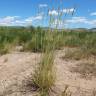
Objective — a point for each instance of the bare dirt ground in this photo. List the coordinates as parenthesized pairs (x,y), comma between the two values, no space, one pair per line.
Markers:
(14,69)
(17,66)
(78,86)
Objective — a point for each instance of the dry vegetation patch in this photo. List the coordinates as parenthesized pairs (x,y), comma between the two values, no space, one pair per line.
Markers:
(78,54)
(86,70)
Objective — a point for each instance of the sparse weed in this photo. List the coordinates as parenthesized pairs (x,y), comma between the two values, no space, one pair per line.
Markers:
(66,92)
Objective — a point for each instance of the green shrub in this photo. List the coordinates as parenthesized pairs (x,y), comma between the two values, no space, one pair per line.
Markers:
(4,48)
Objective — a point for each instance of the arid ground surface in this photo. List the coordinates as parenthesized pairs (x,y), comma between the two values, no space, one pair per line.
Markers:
(17,67)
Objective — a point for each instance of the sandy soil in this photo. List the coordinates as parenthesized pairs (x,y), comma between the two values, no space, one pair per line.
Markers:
(78,86)
(16,67)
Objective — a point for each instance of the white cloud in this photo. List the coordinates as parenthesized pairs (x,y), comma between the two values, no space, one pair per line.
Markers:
(93,14)
(8,20)
(43,5)
(93,22)
(56,13)
(53,12)
(30,20)
(39,17)
(70,10)
(77,20)
(16,20)
(81,20)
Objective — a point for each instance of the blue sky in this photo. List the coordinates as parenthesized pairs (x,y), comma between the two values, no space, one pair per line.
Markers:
(25,12)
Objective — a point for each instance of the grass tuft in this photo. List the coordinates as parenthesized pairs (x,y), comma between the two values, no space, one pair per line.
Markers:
(44,76)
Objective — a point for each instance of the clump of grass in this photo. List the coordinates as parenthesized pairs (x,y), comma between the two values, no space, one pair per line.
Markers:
(39,43)
(74,55)
(33,38)
(44,76)
(72,41)
(79,53)
(4,48)
(32,45)
(59,40)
